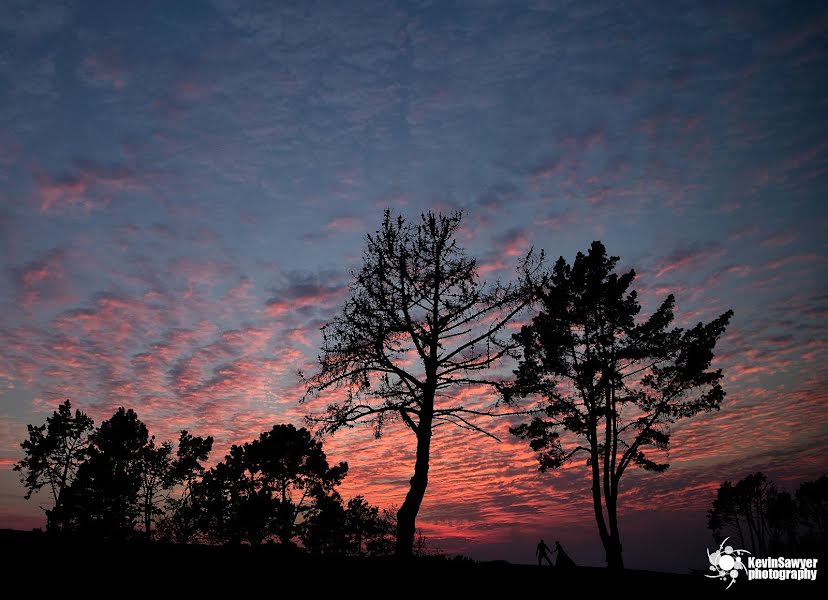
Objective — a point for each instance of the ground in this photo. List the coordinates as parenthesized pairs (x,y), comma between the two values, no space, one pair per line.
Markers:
(76,568)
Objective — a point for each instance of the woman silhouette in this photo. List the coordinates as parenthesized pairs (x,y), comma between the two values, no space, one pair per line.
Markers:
(563,561)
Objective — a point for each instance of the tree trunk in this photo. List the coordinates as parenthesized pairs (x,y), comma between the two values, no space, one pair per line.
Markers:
(741,533)
(615,561)
(148,520)
(407,515)
(749,519)
(596,492)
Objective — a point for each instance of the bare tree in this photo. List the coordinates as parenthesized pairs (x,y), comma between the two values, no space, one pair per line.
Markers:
(418,325)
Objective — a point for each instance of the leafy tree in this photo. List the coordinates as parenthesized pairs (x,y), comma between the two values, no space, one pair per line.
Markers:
(181,519)
(52,455)
(753,495)
(812,505)
(219,500)
(741,511)
(265,487)
(614,383)
(156,479)
(782,523)
(355,529)
(723,518)
(294,466)
(103,501)
(325,529)
(418,325)
(766,520)
(366,528)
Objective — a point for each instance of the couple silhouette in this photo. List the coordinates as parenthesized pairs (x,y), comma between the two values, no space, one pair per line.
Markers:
(563,560)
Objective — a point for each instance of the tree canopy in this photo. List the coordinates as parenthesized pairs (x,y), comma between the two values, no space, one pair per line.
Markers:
(265,488)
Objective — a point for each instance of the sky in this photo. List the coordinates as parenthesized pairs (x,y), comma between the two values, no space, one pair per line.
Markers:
(186,188)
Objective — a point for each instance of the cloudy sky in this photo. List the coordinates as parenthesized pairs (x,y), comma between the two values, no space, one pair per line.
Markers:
(186,187)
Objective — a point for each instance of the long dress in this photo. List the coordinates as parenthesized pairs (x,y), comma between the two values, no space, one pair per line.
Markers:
(563,560)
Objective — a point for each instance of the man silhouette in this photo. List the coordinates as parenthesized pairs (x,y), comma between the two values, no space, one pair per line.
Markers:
(541,553)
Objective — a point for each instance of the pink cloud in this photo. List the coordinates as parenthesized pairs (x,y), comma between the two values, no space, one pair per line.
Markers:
(795,37)
(686,258)
(791,259)
(514,243)
(305,293)
(300,336)
(192,90)
(692,123)
(89,185)
(113,322)
(486,268)
(43,280)
(248,339)
(239,294)
(345,224)
(803,158)
(559,220)
(547,171)
(779,239)
(103,69)
(199,272)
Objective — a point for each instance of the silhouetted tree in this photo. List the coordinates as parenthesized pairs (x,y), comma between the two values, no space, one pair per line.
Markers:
(156,479)
(181,519)
(264,487)
(367,529)
(812,505)
(743,511)
(354,529)
(782,522)
(103,501)
(614,383)
(723,518)
(219,500)
(418,324)
(765,520)
(324,531)
(421,547)
(753,494)
(52,454)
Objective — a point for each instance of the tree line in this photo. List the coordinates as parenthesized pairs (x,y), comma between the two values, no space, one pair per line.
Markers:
(591,380)
(115,482)
(755,514)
